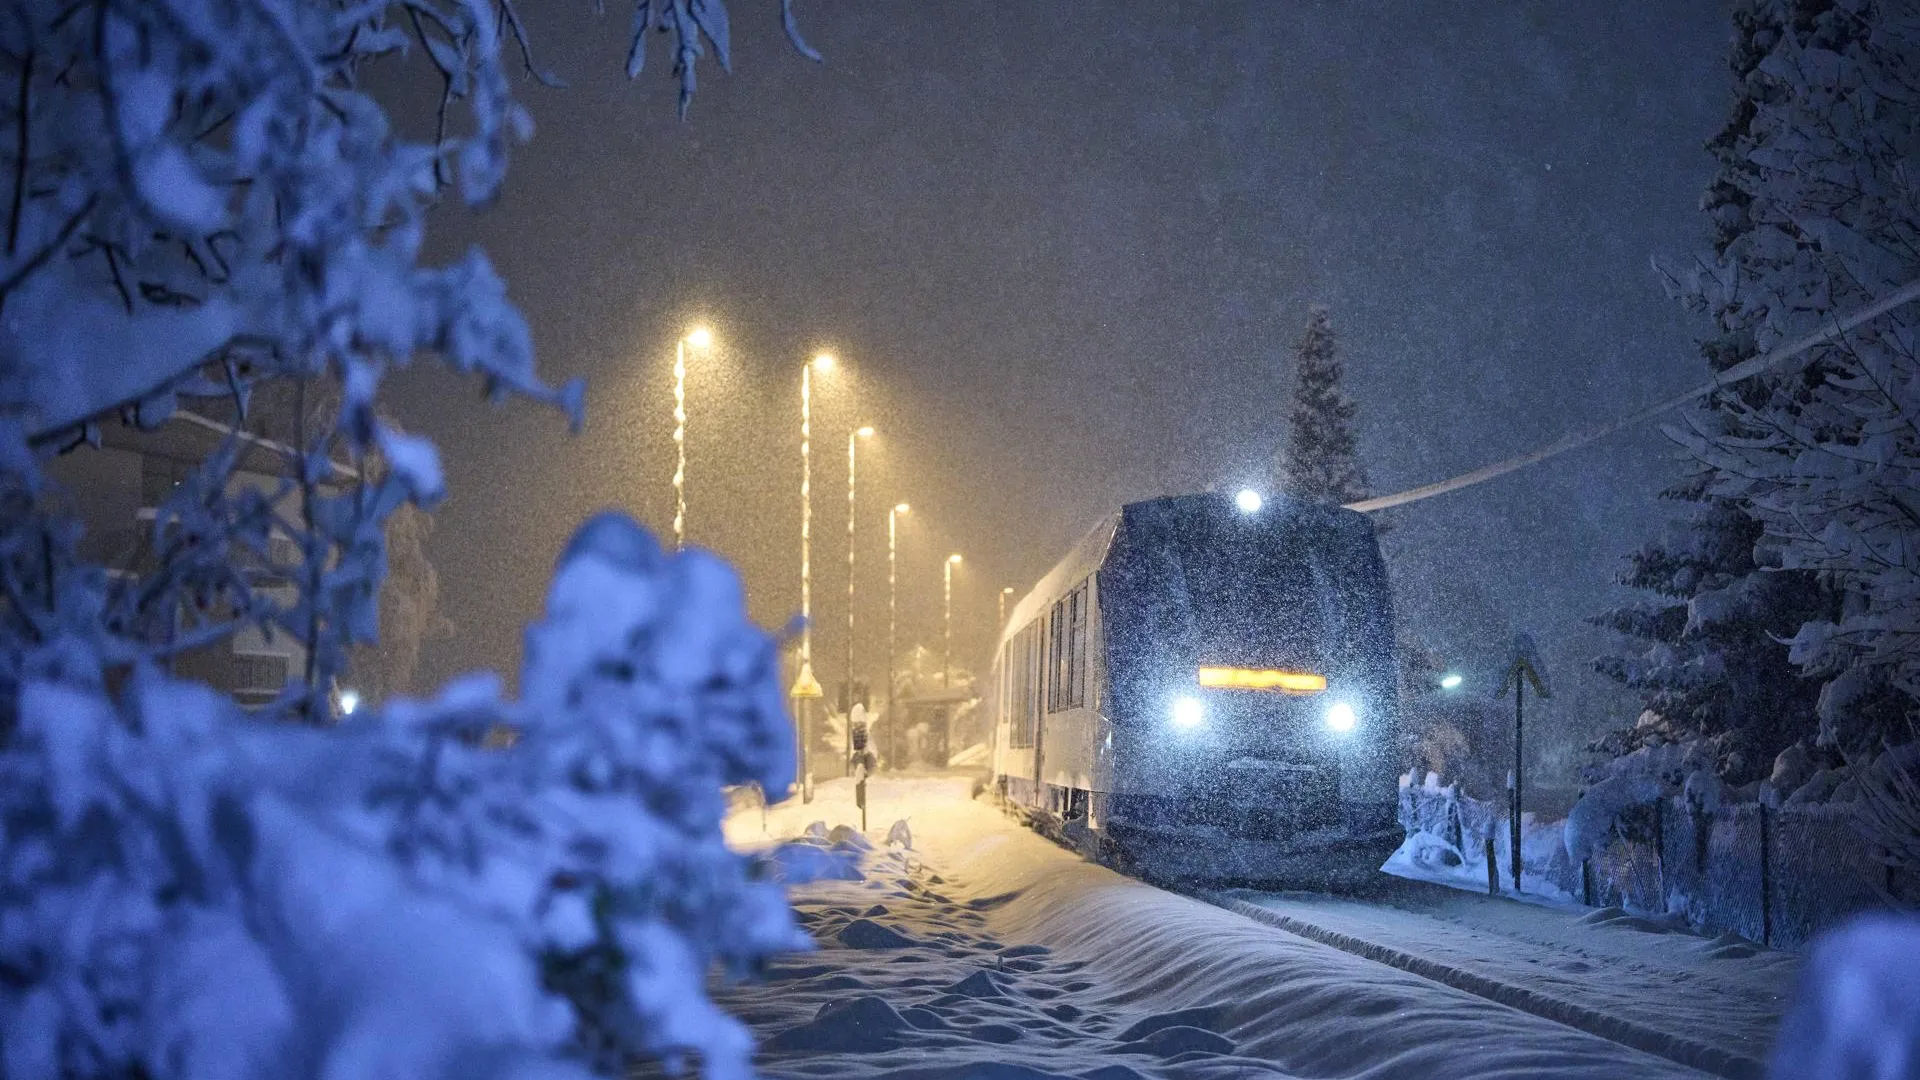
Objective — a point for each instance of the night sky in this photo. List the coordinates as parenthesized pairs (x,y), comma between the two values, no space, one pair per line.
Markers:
(1064,251)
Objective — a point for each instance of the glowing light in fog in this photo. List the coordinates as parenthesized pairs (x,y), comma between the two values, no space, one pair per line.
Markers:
(349,701)
(1248,501)
(1233,678)
(1188,712)
(1340,716)
(1449,681)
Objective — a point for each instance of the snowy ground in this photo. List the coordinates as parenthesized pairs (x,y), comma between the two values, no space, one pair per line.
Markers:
(988,952)
(1649,983)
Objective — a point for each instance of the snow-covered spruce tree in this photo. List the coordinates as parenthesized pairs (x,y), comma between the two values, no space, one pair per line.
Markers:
(202,202)
(1712,665)
(1322,455)
(1819,205)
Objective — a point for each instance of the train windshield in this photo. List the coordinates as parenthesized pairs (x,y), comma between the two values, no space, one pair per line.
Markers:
(1301,591)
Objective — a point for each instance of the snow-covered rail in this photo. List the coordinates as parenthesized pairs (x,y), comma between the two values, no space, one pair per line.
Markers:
(1675,1047)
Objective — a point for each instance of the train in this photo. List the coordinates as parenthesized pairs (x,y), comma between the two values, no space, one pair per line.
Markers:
(1203,691)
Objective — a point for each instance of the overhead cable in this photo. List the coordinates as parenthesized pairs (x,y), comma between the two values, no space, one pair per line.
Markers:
(1576,439)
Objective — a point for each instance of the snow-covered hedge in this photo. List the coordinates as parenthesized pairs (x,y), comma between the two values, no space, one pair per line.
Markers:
(190,892)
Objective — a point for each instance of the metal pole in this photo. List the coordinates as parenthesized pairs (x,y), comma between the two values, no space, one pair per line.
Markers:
(946,648)
(853,443)
(893,615)
(680,444)
(806,560)
(1519,696)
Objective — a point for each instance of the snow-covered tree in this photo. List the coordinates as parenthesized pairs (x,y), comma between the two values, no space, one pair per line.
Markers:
(1710,663)
(1322,455)
(203,202)
(1816,208)
(187,892)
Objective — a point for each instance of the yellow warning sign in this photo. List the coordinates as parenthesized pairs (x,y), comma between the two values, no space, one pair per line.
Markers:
(805,685)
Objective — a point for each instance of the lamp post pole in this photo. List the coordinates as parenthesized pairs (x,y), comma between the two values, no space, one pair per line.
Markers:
(864,431)
(946,648)
(699,338)
(1001,626)
(805,685)
(893,615)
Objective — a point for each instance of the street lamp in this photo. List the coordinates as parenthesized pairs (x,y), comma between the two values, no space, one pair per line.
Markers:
(864,431)
(1450,681)
(946,649)
(893,611)
(1002,624)
(699,338)
(805,685)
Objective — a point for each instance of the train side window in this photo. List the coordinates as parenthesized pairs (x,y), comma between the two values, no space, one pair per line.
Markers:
(1020,689)
(1060,692)
(1077,648)
(1067,612)
(1036,678)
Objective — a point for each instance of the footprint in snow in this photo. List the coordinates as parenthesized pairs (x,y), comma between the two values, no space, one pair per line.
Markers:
(1111,1072)
(867,934)
(1170,1042)
(1206,1018)
(980,984)
(861,1025)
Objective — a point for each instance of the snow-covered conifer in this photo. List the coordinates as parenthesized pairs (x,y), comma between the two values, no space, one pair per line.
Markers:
(1817,210)
(1810,206)
(1322,454)
(1710,664)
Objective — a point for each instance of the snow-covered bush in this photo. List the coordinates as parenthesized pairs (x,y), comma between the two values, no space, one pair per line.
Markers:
(204,202)
(188,892)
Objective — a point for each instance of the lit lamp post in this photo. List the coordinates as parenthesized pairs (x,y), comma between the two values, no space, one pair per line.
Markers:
(946,648)
(805,686)
(699,338)
(893,611)
(864,431)
(1001,626)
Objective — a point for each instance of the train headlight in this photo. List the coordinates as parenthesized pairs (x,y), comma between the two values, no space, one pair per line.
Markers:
(1341,717)
(1188,713)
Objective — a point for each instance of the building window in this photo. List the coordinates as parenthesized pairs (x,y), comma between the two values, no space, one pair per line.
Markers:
(262,673)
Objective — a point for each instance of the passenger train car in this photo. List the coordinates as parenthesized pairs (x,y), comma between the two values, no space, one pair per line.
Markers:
(1204,689)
